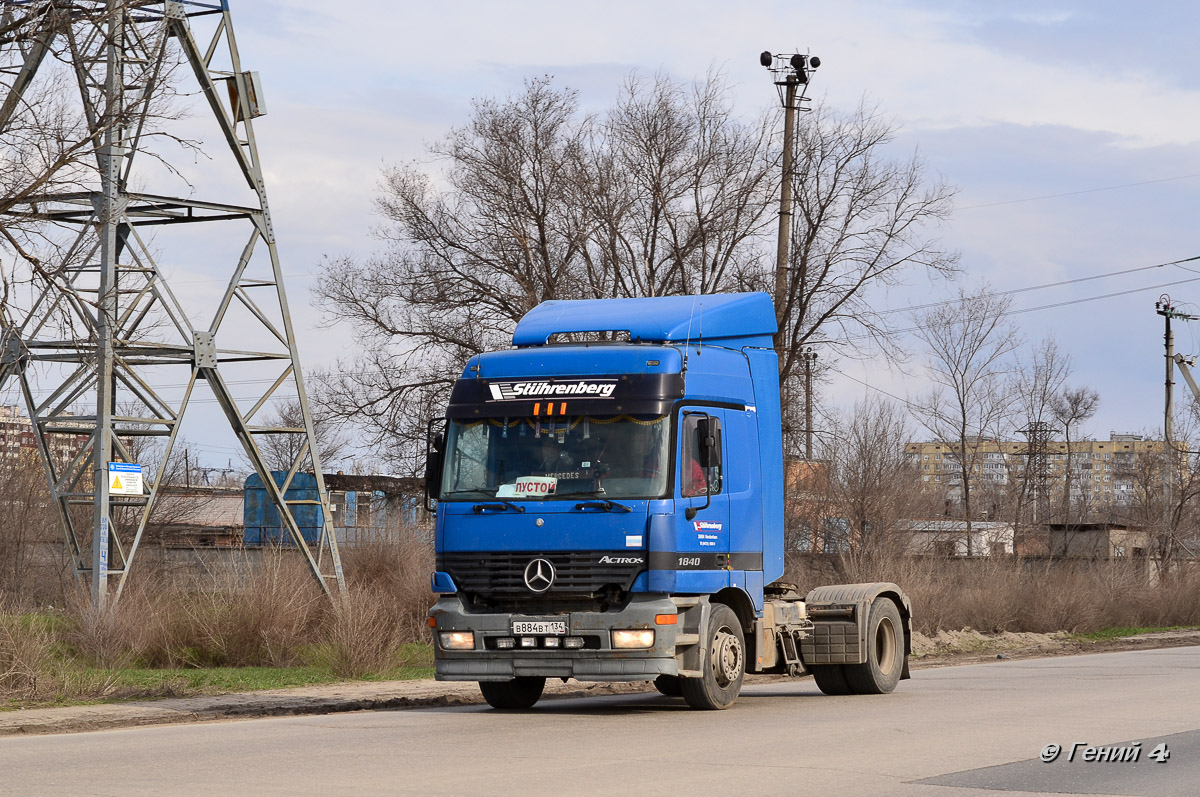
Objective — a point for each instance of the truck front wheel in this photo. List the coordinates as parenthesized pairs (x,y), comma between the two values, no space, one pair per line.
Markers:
(668,685)
(723,667)
(521,692)
(880,673)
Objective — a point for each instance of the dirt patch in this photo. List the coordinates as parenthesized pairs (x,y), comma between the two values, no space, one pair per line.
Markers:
(968,646)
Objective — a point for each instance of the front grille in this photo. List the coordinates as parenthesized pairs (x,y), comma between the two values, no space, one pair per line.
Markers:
(503,573)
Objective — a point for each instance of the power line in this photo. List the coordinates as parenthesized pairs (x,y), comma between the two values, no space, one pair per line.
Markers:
(1077,193)
(903,401)
(1081,300)
(908,309)
(1058,284)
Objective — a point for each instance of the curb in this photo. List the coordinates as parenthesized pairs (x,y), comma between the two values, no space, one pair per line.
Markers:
(304,701)
(427,693)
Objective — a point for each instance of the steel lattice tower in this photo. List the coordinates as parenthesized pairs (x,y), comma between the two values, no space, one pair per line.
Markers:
(1037,466)
(102,329)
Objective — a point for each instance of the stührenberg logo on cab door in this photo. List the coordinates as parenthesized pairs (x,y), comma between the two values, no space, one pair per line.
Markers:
(707,532)
(583,388)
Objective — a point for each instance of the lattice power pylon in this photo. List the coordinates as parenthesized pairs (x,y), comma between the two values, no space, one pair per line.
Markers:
(103,349)
(1037,467)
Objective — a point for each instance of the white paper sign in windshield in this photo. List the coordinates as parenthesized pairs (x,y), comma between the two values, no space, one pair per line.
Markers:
(529,487)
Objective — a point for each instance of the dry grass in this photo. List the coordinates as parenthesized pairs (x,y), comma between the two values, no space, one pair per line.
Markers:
(386,607)
(398,573)
(262,611)
(26,656)
(1006,595)
(268,612)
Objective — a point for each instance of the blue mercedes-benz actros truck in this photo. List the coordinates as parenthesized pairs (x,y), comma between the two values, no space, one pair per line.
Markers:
(610,507)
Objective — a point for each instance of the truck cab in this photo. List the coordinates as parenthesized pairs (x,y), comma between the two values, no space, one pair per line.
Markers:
(609,505)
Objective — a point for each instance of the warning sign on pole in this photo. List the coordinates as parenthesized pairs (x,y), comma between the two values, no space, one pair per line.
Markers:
(124,478)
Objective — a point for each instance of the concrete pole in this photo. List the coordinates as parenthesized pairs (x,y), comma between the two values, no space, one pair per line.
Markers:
(809,357)
(1169,426)
(785,202)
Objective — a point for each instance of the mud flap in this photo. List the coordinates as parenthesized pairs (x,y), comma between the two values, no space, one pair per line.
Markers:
(840,613)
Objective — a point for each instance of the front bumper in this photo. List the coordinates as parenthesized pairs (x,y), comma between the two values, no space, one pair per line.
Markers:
(600,662)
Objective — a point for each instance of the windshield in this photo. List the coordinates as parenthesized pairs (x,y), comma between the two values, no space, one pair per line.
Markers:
(613,456)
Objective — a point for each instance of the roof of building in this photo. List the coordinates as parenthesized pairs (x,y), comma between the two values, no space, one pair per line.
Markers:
(388,485)
(951,526)
(200,507)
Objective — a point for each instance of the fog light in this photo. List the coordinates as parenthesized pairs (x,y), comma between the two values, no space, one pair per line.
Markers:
(640,638)
(505,642)
(528,642)
(457,640)
(573,642)
(551,642)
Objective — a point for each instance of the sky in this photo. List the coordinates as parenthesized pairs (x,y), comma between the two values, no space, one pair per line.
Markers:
(1070,129)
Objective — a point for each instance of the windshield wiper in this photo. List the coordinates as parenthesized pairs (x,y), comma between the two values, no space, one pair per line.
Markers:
(482,493)
(499,504)
(605,504)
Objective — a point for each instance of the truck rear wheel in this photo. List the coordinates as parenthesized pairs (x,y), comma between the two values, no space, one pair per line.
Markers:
(880,673)
(723,667)
(521,692)
(831,679)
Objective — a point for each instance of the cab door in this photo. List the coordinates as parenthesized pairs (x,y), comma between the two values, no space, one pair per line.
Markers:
(701,501)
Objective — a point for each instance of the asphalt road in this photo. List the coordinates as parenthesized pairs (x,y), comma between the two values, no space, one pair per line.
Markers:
(975,729)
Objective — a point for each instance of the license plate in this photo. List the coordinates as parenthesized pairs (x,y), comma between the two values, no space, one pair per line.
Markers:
(539,627)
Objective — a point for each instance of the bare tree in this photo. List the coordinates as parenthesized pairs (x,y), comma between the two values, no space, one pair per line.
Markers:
(665,196)
(460,264)
(674,191)
(873,484)
(1037,384)
(862,222)
(281,450)
(1071,408)
(969,345)
(669,192)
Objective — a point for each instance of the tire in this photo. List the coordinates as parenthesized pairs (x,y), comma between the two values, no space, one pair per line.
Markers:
(880,673)
(831,679)
(668,685)
(521,692)
(723,665)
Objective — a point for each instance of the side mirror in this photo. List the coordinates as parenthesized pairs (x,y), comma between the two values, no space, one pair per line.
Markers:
(710,442)
(433,467)
(708,430)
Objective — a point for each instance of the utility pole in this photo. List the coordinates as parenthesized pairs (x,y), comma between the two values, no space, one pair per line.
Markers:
(810,357)
(1163,308)
(791,72)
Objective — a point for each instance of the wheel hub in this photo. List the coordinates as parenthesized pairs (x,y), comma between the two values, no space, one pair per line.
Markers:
(726,658)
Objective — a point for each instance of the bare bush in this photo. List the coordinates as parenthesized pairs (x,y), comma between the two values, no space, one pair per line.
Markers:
(26,656)
(361,635)
(260,620)
(398,572)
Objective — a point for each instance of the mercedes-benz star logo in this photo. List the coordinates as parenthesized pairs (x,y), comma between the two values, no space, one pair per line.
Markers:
(539,575)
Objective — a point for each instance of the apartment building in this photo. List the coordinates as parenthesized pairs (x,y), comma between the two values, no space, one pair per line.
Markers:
(17,440)
(1100,471)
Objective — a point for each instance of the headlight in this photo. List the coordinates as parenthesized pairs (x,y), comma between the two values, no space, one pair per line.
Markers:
(641,638)
(457,640)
